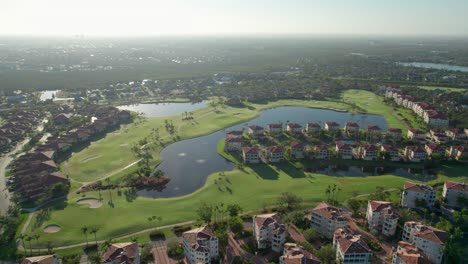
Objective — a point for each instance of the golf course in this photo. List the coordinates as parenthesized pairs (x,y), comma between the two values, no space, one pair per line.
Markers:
(123,212)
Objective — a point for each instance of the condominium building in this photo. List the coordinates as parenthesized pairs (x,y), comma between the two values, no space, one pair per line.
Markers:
(412,192)
(350,248)
(326,218)
(200,245)
(269,232)
(426,238)
(382,217)
(455,194)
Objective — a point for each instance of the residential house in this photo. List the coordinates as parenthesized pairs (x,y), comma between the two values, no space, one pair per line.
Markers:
(233,144)
(297,150)
(350,248)
(415,135)
(455,194)
(256,131)
(368,152)
(343,150)
(351,128)
(63,118)
(438,136)
(413,192)
(428,239)
(274,129)
(415,153)
(269,232)
(312,127)
(434,151)
(394,133)
(234,134)
(250,155)
(331,126)
(392,152)
(122,253)
(456,134)
(296,254)
(47,259)
(321,152)
(436,119)
(274,154)
(382,217)
(326,218)
(293,128)
(458,152)
(200,246)
(407,253)
(420,107)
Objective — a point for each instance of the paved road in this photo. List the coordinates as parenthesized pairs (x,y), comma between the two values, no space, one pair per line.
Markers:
(4,161)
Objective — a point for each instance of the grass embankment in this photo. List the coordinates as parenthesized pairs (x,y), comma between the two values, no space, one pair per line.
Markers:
(252,187)
(448,89)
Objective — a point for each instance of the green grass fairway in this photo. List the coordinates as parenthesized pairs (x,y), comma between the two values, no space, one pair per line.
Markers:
(374,104)
(252,187)
(448,89)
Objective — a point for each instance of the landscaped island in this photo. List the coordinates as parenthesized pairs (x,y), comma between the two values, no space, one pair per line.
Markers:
(124,212)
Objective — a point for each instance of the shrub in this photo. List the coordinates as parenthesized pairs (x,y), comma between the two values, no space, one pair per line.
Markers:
(156,235)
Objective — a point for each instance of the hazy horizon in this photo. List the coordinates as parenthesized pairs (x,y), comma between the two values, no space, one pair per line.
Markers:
(138,18)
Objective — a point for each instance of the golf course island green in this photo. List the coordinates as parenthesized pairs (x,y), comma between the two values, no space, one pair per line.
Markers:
(123,212)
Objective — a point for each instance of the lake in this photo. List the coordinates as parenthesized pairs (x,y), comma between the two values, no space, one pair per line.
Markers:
(438,66)
(163,109)
(188,163)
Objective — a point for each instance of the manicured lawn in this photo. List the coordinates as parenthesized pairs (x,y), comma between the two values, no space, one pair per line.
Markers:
(448,89)
(374,104)
(250,187)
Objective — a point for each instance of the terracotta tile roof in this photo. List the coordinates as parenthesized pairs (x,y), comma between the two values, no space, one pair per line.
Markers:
(415,187)
(369,147)
(415,149)
(328,211)
(313,125)
(249,150)
(233,139)
(294,125)
(321,147)
(394,130)
(457,186)
(351,124)
(331,124)
(295,254)
(297,145)
(387,147)
(410,254)
(255,127)
(350,244)
(275,149)
(47,259)
(373,127)
(415,131)
(271,221)
(432,234)
(275,126)
(340,145)
(197,237)
(121,252)
(235,132)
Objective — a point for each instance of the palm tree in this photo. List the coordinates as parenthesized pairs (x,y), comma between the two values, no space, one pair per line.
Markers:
(94,230)
(327,192)
(22,238)
(49,247)
(84,231)
(109,188)
(28,239)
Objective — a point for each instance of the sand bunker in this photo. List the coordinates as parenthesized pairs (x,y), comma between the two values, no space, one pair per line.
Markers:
(51,229)
(124,144)
(90,158)
(92,202)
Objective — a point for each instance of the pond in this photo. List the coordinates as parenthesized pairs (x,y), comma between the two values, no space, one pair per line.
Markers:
(438,66)
(188,163)
(163,109)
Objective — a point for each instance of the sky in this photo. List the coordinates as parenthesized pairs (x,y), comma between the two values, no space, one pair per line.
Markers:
(233,17)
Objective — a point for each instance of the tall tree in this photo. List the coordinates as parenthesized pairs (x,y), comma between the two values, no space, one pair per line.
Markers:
(205,213)
(84,231)
(93,231)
